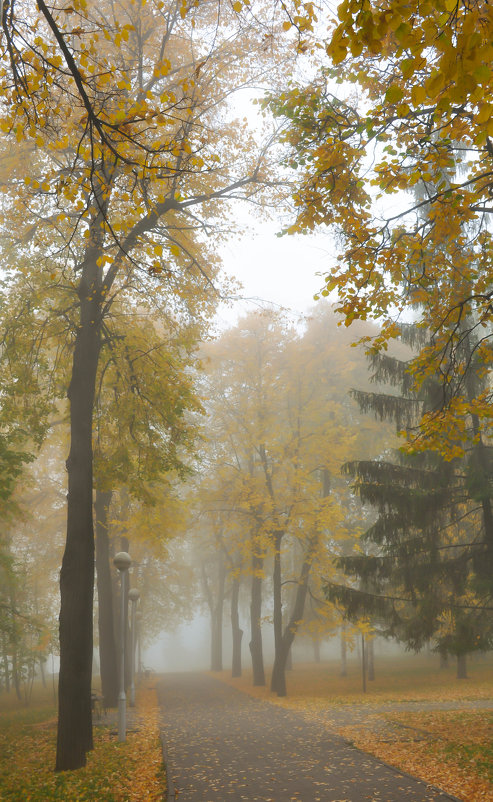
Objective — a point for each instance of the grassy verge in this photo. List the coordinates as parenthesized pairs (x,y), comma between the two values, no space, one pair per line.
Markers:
(410,678)
(450,749)
(116,772)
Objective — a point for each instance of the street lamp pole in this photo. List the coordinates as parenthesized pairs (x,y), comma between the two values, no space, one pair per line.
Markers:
(133,595)
(122,561)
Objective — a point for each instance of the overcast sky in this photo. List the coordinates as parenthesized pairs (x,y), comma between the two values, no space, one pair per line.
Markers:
(278,271)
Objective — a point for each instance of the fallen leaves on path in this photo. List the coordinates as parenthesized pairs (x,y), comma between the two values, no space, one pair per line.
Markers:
(450,749)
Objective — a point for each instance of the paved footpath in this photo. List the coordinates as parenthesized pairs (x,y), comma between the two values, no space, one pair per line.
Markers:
(222,745)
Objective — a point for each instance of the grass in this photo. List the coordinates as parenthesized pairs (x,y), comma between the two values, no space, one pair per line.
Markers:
(451,749)
(131,771)
(409,678)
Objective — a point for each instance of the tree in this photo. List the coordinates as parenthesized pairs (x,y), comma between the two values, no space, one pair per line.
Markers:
(144,391)
(424,568)
(112,202)
(281,426)
(424,107)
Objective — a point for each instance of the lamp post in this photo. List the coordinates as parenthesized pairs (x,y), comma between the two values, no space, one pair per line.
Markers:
(133,595)
(122,561)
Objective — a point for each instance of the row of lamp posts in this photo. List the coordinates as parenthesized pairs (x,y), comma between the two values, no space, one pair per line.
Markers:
(123,562)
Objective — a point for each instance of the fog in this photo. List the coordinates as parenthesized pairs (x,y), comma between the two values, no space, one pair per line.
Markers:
(188,648)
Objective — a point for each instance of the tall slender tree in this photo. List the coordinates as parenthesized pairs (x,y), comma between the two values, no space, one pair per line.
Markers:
(126,142)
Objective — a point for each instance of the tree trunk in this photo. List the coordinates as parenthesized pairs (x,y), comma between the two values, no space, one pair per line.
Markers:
(6,669)
(371,660)
(16,675)
(217,621)
(108,660)
(255,622)
(443,660)
(343,672)
(461,666)
(42,661)
(77,574)
(236,632)
(278,680)
(216,645)
(216,607)
(363,662)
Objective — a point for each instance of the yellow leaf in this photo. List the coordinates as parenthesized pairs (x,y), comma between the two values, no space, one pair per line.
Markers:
(394,94)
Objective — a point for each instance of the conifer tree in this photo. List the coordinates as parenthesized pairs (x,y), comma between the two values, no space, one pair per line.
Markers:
(425,567)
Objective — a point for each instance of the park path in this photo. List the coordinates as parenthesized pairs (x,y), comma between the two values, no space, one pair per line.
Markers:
(222,745)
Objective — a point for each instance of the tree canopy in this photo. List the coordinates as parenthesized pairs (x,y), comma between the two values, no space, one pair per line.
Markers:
(403,100)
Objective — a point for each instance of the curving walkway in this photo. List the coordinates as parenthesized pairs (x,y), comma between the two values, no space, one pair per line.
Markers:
(222,745)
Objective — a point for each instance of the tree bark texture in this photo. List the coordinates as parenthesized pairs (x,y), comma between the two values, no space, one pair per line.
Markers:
(236,631)
(74,738)
(108,660)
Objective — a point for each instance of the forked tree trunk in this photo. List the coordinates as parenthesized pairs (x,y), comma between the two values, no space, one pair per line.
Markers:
(278,680)
(255,622)
(77,574)
(108,660)
(236,632)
